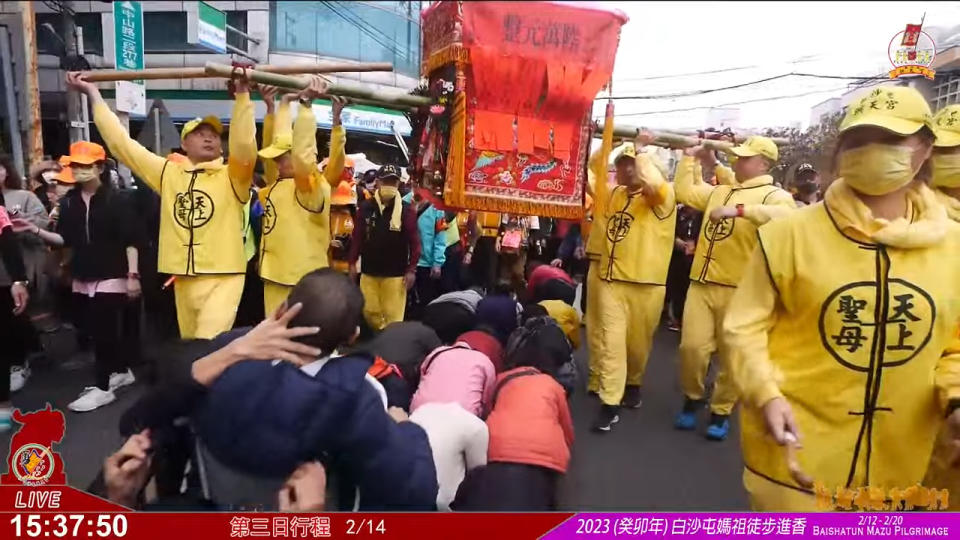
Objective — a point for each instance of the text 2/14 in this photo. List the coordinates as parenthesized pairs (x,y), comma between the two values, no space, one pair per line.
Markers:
(368,526)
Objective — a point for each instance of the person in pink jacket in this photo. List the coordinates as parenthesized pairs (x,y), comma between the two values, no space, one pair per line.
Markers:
(456,374)
(531,431)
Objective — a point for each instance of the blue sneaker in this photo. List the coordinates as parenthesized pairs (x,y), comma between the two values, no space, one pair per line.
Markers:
(686,421)
(719,428)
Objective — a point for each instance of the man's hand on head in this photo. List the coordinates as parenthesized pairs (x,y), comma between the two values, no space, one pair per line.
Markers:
(273,339)
(270,340)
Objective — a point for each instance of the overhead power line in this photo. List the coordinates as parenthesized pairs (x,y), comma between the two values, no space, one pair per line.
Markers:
(743,85)
(801,60)
(730,104)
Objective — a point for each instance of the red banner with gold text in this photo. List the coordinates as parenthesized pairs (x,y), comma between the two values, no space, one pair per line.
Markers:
(64,512)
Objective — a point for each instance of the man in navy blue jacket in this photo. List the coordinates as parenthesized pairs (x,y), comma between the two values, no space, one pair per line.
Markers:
(266,418)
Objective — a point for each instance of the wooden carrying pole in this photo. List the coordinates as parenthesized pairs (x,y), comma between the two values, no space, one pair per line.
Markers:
(673,140)
(105,75)
(299,83)
(360,101)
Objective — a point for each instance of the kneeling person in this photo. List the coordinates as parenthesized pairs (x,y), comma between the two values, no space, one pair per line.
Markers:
(266,418)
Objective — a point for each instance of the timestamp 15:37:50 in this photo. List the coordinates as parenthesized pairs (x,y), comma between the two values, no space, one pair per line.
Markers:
(72,525)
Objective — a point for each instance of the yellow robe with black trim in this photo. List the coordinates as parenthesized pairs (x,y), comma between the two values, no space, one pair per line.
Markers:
(854,321)
(723,247)
(639,237)
(628,296)
(201,205)
(296,219)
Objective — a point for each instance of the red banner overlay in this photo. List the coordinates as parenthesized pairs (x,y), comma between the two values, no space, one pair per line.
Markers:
(65,512)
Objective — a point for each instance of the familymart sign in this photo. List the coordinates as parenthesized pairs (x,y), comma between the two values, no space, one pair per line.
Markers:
(208,28)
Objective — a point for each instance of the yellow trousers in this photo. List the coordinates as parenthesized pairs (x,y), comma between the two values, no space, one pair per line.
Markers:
(594,326)
(629,315)
(940,475)
(274,294)
(703,335)
(384,300)
(207,304)
(767,496)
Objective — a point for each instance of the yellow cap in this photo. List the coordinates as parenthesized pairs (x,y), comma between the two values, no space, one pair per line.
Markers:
(281,145)
(946,124)
(624,150)
(209,120)
(899,109)
(757,146)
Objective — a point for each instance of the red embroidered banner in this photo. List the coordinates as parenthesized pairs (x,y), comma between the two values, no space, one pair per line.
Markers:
(549,31)
(534,69)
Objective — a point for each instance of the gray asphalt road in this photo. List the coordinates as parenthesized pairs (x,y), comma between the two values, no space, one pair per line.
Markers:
(643,464)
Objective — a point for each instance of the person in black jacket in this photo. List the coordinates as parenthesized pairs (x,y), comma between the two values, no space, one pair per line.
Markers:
(13,302)
(386,240)
(678,275)
(97,224)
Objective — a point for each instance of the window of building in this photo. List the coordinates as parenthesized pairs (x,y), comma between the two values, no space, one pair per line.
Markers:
(166,32)
(52,42)
(362,31)
(947,92)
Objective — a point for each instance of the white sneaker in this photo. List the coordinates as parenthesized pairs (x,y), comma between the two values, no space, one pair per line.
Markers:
(18,377)
(118,380)
(91,398)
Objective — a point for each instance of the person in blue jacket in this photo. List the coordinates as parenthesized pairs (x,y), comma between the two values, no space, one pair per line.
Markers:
(266,418)
(432,222)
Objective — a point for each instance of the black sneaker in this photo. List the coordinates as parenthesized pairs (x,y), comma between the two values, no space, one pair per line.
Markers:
(606,418)
(631,397)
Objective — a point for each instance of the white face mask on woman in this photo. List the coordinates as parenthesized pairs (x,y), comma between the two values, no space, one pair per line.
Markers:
(876,168)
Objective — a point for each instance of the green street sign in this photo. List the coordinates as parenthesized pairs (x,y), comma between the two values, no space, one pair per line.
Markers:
(128,31)
(131,96)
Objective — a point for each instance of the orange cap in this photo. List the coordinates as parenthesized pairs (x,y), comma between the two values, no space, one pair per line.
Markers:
(348,164)
(345,193)
(65,176)
(84,153)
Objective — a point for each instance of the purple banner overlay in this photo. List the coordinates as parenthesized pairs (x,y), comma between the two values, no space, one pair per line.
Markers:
(747,525)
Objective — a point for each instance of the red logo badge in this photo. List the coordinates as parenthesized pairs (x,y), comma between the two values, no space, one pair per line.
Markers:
(32,461)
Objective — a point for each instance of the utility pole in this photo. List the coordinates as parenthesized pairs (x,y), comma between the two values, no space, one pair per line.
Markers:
(73,43)
(32,90)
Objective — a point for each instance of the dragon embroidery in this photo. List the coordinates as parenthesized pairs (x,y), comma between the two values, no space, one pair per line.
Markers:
(537,168)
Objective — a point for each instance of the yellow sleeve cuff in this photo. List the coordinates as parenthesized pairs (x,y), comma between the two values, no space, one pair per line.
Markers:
(768,391)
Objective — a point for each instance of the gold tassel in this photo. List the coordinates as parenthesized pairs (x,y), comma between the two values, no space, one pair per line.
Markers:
(455,52)
(456,156)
